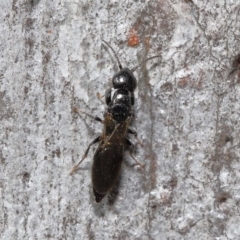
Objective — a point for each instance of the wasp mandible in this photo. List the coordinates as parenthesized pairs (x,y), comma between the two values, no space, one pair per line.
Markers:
(114,139)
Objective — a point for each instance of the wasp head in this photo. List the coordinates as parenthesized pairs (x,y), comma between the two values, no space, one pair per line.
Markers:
(125,80)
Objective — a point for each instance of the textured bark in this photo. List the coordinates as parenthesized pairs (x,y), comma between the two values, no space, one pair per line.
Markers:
(186,114)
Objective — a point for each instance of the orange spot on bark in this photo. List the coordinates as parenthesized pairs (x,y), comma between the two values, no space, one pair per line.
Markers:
(183,82)
(133,38)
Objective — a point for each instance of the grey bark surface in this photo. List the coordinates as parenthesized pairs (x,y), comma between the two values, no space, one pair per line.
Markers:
(187,116)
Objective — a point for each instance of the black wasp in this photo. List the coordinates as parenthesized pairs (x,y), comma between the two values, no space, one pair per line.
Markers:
(108,157)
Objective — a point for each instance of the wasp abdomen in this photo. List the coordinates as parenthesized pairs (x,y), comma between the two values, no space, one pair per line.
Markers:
(106,168)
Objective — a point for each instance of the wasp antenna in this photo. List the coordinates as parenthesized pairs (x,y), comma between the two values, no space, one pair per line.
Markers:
(115,54)
(135,68)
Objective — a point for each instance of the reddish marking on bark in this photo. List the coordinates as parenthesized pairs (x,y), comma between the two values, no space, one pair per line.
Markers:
(133,38)
(183,82)
(187,81)
(75,109)
(147,42)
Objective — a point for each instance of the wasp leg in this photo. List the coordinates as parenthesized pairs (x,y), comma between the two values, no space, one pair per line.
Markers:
(85,154)
(132,98)
(99,96)
(130,144)
(108,96)
(134,133)
(96,118)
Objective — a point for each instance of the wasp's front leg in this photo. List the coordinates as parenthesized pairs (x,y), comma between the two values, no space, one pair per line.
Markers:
(96,118)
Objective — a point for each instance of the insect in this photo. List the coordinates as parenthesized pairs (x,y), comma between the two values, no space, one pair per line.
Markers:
(114,139)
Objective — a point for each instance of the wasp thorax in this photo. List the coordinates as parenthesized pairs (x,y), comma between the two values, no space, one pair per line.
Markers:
(124,79)
(120,112)
(120,106)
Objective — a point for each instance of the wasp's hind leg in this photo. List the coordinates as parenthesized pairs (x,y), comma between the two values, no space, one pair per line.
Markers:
(97,139)
(132,146)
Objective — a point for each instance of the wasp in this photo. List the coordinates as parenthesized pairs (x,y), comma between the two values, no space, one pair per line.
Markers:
(113,141)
